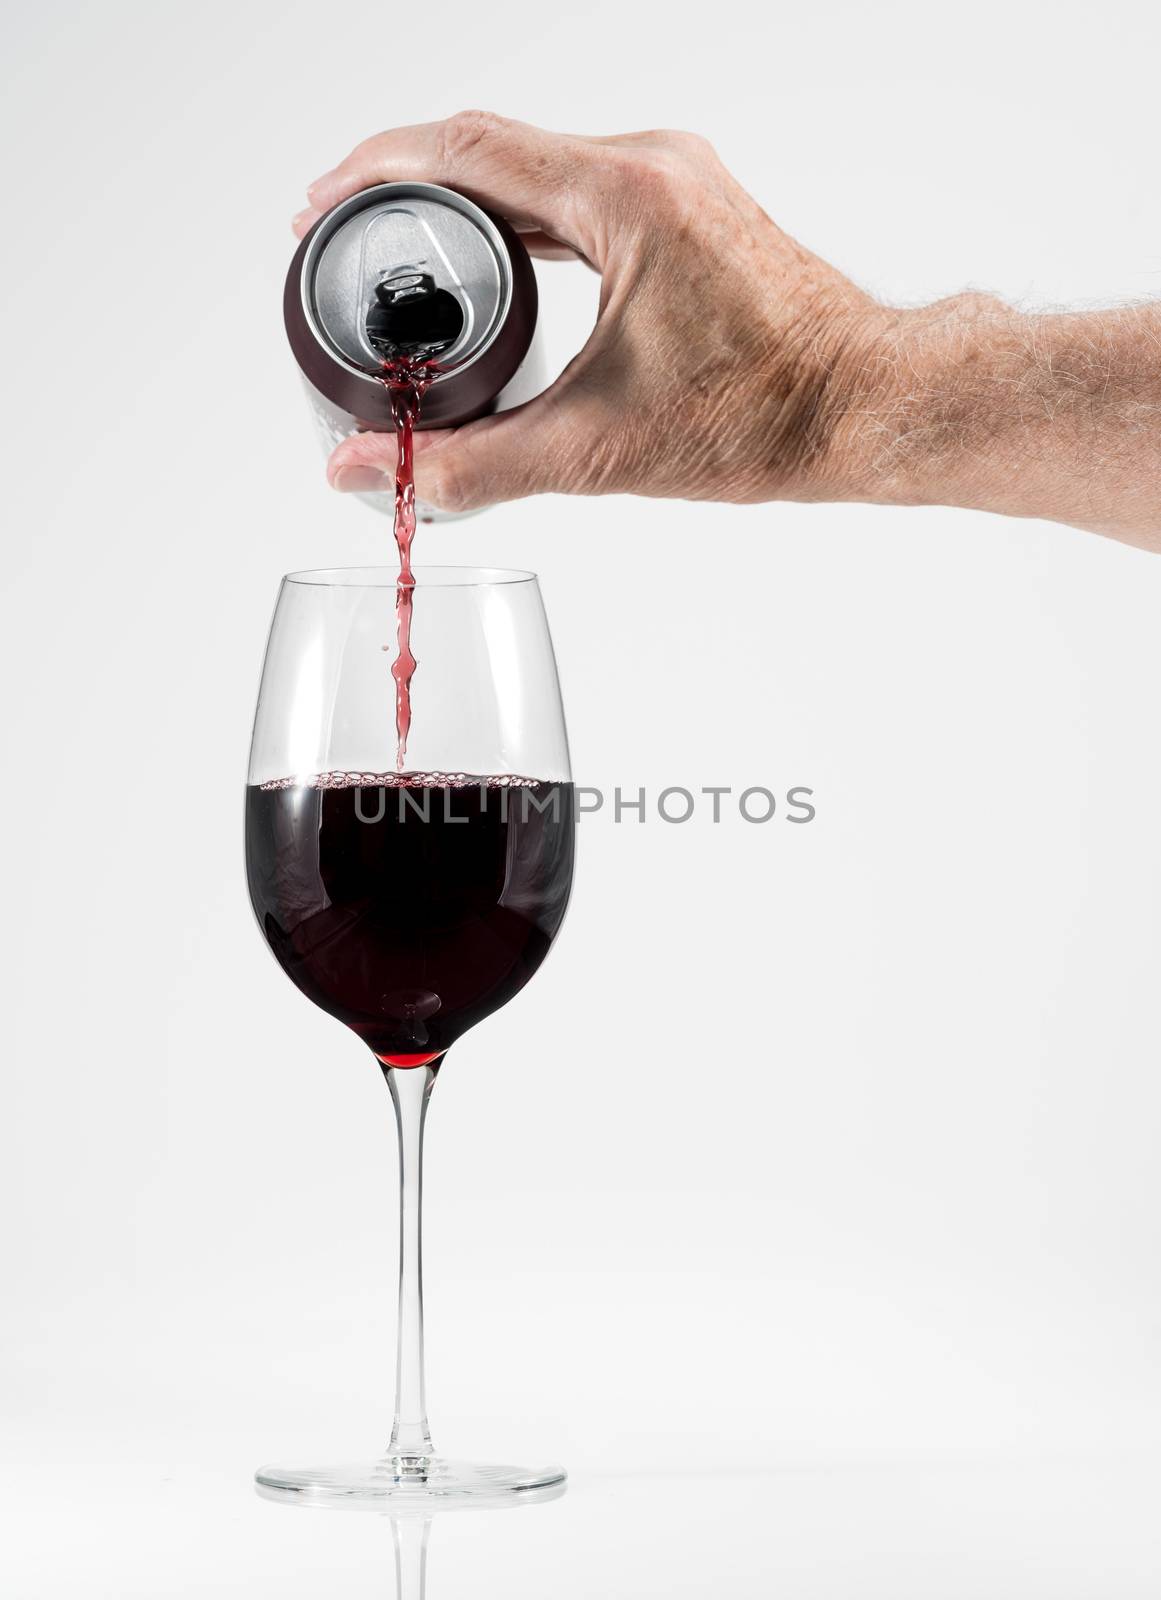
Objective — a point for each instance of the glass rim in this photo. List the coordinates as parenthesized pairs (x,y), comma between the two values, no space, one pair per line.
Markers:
(426,577)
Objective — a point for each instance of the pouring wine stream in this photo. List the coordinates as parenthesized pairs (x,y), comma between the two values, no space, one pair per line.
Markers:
(409,325)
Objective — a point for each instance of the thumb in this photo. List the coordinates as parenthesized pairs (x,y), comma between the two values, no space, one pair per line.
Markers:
(544,447)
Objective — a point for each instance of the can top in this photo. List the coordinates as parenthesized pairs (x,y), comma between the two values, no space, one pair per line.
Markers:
(393,229)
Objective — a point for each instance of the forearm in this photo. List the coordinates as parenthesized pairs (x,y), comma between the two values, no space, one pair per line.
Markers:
(971,404)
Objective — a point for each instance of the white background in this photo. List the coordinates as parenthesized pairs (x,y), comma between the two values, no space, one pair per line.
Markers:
(810,1146)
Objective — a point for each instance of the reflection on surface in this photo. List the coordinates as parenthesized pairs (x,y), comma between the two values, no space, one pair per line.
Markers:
(995,1528)
(411,1536)
(411,1529)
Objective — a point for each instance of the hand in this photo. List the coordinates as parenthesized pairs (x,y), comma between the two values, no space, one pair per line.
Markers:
(724,356)
(728,363)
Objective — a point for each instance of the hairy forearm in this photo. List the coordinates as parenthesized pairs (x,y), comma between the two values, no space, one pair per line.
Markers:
(969,403)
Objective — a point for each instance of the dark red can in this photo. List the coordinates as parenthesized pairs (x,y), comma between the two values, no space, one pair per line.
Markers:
(409,251)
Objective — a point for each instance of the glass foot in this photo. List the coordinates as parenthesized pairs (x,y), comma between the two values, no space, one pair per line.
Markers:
(395,1483)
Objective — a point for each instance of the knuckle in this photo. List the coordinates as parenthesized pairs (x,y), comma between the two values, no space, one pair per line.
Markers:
(463,132)
(365,147)
(364,156)
(693,144)
(653,176)
(661,187)
(679,145)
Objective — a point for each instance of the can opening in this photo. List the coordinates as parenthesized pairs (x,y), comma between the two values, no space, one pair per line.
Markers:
(410,316)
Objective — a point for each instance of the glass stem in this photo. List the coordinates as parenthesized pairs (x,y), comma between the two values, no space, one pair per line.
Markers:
(410,1557)
(410,1437)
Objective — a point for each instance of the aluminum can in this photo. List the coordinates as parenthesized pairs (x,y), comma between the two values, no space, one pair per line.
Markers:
(412,251)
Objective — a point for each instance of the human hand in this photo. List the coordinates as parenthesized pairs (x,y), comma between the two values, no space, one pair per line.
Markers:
(724,354)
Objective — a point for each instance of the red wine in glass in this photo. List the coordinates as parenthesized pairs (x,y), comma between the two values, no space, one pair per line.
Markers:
(409,908)
(410,905)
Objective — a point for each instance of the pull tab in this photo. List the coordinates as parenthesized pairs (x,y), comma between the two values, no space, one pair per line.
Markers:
(409,316)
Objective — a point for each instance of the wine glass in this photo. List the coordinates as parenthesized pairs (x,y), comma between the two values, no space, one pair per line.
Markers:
(410,904)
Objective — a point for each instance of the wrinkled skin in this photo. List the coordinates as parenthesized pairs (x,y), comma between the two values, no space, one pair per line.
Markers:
(728,363)
(710,371)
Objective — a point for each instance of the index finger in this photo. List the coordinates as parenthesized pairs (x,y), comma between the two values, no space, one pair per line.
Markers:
(547,182)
